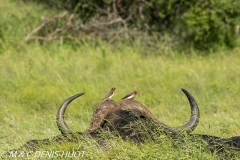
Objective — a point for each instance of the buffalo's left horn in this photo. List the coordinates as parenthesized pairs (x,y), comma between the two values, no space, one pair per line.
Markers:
(192,122)
(62,126)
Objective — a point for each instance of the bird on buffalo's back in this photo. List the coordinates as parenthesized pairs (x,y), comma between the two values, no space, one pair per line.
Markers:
(109,94)
(130,95)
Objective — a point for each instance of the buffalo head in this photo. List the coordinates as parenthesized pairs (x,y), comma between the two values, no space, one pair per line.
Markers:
(111,116)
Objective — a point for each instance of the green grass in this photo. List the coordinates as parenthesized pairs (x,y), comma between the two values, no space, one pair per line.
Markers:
(37,78)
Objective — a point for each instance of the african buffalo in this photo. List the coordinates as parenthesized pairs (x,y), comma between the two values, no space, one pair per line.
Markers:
(132,121)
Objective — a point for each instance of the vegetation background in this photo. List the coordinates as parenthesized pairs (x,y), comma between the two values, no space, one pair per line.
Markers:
(50,50)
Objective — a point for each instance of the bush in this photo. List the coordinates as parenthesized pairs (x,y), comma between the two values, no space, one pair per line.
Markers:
(203,24)
(208,23)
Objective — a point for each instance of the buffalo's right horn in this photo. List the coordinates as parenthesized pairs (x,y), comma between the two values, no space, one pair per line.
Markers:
(143,111)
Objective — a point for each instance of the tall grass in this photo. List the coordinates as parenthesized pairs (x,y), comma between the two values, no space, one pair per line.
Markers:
(36,78)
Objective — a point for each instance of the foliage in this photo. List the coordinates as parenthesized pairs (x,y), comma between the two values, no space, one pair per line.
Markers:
(210,23)
(204,24)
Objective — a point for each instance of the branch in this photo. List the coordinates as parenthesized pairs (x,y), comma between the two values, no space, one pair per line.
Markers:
(44,24)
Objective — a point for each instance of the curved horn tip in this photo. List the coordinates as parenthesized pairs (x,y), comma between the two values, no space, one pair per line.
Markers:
(184,90)
(81,93)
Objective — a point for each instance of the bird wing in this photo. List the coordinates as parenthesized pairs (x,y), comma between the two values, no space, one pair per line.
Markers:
(127,95)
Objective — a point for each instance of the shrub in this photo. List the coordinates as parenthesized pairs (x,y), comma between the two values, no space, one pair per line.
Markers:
(203,24)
